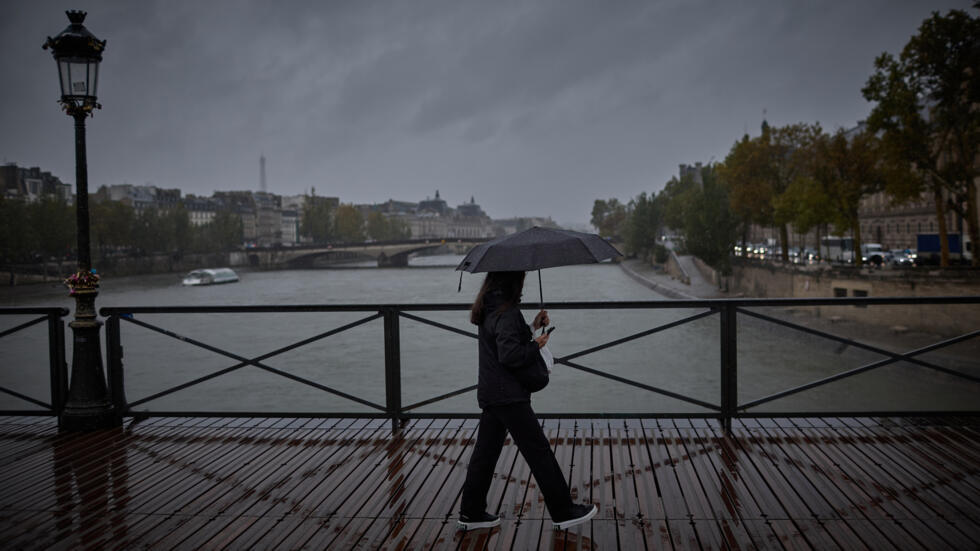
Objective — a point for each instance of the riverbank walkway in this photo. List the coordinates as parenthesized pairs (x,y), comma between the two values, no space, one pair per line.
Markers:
(316,483)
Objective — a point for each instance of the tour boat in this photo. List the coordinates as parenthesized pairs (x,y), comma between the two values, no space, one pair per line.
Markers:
(211,276)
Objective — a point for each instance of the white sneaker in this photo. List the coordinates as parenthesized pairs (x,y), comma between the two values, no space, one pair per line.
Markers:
(578,515)
(474,522)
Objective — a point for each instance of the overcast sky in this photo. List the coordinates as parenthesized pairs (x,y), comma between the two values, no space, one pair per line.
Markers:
(531,107)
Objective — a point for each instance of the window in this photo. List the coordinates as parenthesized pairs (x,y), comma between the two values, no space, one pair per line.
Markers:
(840,292)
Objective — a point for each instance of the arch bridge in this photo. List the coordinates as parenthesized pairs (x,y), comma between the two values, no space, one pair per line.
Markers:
(386,253)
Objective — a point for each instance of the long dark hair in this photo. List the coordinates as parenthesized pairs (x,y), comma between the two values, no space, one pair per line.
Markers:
(510,285)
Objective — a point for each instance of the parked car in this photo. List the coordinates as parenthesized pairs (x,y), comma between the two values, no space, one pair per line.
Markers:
(873,253)
(901,259)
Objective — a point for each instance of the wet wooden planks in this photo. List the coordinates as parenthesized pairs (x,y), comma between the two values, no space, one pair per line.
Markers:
(234,483)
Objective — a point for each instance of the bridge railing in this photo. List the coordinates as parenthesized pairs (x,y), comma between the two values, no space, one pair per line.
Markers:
(726,312)
(57,368)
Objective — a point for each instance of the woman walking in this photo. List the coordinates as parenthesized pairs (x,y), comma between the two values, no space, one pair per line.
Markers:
(506,349)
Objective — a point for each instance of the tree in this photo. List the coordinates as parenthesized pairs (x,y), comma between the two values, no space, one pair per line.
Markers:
(53,220)
(609,217)
(758,171)
(149,234)
(788,149)
(748,190)
(849,167)
(643,224)
(349,224)
(227,230)
(383,228)
(926,112)
(112,225)
(18,239)
(318,218)
(702,213)
(176,226)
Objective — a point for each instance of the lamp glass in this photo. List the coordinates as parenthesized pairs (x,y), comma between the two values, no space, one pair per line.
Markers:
(79,79)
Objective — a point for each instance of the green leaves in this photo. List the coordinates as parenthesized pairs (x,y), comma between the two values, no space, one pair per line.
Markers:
(609,217)
(926,114)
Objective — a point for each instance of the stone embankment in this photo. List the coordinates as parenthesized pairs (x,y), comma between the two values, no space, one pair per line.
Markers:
(897,327)
(115,266)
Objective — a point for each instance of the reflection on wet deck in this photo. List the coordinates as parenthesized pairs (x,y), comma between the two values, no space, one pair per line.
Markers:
(191,483)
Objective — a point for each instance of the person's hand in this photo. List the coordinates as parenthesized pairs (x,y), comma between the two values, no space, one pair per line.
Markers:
(542,340)
(541,320)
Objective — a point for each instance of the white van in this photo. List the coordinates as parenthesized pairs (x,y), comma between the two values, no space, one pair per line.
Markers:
(874,253)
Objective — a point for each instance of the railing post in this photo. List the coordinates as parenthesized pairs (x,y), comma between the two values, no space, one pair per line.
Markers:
(729,366)
(59,367)
(114,366)
(393,367)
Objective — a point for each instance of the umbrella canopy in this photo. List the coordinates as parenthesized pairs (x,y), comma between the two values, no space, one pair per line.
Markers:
(535,249)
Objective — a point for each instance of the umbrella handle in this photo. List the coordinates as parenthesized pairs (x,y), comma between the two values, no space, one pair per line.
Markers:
(540,296)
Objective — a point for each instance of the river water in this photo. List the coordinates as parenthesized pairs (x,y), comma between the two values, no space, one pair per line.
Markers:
(684,360)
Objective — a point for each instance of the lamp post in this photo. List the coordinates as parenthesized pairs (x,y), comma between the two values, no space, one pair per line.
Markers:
(78,53)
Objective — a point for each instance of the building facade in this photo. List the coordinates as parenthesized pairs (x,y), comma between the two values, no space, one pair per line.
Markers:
(30,184)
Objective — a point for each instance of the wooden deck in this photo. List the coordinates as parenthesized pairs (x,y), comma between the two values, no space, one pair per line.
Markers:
(193,483)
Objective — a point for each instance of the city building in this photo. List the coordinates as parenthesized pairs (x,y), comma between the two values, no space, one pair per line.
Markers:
(200,210)
(31,184)
(289,227)
(693,172)
(140,198)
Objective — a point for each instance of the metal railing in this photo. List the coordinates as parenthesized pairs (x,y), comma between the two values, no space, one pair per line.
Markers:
(58,369)
(727,311)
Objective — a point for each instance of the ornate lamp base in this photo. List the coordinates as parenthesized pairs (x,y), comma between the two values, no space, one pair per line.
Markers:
(88,406)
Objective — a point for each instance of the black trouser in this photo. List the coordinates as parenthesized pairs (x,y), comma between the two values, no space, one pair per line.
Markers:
(519,419)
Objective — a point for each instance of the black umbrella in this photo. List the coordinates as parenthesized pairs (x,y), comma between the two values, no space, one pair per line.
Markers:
(535,249)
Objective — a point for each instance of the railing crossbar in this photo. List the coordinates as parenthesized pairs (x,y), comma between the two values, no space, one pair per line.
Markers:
(857,344)
(319,386)
(182,386)
(22,326)
(254,361)
(440,398)
(25,397)
(315,338)
(639,335)
(858,370)
(439,325)
(630,382)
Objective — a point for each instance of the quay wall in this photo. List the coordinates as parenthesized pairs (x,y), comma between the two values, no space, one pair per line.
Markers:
(116,266)
(774,281)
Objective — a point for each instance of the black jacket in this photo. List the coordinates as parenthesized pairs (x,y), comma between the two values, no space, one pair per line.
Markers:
(505,347)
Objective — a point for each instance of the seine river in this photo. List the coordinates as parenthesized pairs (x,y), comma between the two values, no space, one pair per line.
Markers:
(684,360)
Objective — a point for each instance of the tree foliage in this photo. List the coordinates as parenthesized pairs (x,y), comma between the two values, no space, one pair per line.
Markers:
(349,224)
(848,168)
(46,228)
(926,112)
(609,217)
(643,225)
(383,228)
(30,231)
(701,212)
(318,219)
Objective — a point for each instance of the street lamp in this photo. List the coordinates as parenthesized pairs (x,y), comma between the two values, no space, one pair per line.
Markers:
(78,54)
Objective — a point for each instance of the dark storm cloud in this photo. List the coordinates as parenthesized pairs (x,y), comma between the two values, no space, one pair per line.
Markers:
(532,107)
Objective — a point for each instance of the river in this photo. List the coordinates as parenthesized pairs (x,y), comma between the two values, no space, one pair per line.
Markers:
(684,360)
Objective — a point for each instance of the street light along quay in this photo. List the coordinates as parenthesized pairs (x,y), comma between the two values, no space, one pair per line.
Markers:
(78,53)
